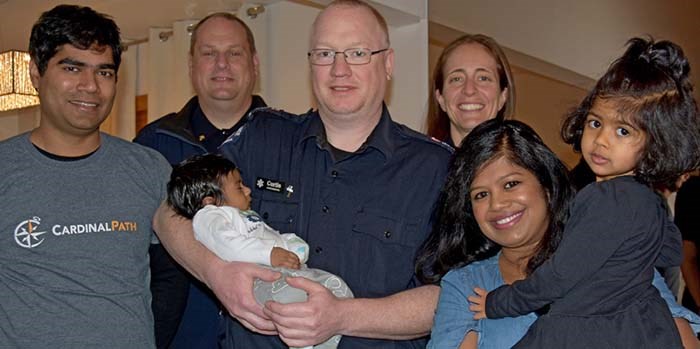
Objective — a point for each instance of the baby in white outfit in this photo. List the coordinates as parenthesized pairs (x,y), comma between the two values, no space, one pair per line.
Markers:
(208,189)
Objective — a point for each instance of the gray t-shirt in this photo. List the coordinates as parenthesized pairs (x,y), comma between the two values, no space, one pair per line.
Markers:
(74,246)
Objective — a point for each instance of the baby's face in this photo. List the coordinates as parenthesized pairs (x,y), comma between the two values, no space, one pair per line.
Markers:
(235,193)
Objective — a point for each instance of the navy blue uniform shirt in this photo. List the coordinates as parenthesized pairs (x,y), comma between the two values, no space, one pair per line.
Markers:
(364,216)
(179,136)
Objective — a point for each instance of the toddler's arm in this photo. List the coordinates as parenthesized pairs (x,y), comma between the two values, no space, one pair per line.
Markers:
(592,235)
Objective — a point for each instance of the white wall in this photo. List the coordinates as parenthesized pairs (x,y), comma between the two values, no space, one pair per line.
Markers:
(284,67)
(583,36)
(14,122)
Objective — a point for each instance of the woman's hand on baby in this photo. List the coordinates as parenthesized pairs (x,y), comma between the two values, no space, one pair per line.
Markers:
(478,303)
(282,258)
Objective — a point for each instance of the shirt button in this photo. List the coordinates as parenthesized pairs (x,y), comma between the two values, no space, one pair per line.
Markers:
(319,249)
(265,215)
(387,234)
(290,219)
(334,173)
(325,209)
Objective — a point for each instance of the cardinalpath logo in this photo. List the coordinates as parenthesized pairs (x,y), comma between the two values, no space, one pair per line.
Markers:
(28,234)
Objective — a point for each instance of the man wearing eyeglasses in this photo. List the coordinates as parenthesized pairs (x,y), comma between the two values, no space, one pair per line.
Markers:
(358,187)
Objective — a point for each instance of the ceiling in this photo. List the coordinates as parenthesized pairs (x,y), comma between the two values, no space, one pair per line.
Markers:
(133,17)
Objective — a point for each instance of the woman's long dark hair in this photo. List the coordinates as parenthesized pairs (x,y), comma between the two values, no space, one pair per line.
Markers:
(456,239)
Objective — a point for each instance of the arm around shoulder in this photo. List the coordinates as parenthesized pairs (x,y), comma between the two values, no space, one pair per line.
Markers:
(454,323)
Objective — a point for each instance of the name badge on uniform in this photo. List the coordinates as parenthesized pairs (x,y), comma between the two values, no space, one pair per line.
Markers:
(269,185)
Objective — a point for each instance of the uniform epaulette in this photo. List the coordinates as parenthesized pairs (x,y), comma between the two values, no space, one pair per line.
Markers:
(441,143)
(263,113)
(274,112)
(409,132)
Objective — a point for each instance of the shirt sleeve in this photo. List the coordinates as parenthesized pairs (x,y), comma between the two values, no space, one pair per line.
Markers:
(163,169)
(677,311)
(453,319)
(587,244)
(671,254)
(223,231)
(294,244)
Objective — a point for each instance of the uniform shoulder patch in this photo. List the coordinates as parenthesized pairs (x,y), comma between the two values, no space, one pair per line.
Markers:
(442,144)
(411,133)
(273,113)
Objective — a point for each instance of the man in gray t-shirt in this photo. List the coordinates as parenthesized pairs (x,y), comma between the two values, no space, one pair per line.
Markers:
(76,203)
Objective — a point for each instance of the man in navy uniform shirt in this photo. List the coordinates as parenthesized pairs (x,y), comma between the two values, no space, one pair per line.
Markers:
(358,187)
(223,68)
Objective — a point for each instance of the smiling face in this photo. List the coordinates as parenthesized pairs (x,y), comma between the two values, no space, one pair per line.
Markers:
(222,65)
(471,92)
(76,90)
(510,205)
(350,92)
(610,144)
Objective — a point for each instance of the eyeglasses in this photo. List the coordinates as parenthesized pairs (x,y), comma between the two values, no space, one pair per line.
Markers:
(353,56)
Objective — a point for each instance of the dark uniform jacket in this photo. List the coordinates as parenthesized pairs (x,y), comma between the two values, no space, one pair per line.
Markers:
(364,214)
(174,136)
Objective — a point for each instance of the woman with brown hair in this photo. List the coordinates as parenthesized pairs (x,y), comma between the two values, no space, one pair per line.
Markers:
(472,83)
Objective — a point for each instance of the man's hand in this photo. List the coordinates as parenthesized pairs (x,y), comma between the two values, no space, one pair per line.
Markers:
(478,303)
(282,258)
(307,323)
(232,282)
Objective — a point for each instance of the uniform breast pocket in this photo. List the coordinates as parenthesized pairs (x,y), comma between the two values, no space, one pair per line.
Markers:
(279,214)
(388,245)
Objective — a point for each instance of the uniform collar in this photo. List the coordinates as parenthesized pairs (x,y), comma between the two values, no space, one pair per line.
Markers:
(380,138)
(181,123)
(202,124)
(211,136)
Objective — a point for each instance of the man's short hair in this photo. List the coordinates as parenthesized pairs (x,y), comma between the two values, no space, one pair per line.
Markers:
(225,15)
(359,3)
(78,26)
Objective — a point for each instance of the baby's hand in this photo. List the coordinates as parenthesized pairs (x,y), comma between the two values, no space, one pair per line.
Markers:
(478,303)
(282,258)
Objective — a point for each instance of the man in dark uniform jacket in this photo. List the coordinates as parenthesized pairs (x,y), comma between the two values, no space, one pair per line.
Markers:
(223,69)
(358,187)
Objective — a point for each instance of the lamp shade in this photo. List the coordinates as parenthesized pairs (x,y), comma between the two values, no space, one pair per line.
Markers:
(16,90)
